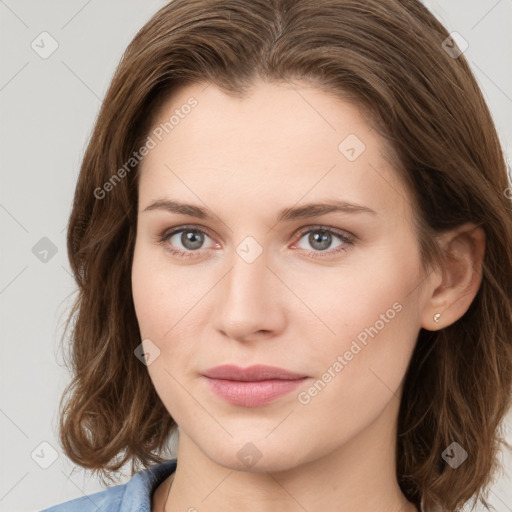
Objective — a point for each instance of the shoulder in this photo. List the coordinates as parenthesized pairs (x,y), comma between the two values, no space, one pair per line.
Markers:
(108,500)
(132,496)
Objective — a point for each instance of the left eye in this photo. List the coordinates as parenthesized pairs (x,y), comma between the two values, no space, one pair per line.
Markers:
(321,239)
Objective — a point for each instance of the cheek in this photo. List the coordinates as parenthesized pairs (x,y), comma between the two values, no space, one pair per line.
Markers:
(158,308)
(359,370)
(157,292)
(145,296)
(358,295)
(168,303)
(373,325)
(151,310)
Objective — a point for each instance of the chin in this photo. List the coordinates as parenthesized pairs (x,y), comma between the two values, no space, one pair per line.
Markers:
(258,456)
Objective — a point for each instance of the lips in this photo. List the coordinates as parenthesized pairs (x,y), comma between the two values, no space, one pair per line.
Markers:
(253,386)
(254,373)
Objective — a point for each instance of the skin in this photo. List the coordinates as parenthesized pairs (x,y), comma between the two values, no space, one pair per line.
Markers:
(245,160)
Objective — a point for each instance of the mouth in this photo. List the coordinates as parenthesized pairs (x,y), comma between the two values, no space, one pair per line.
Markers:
(253,386)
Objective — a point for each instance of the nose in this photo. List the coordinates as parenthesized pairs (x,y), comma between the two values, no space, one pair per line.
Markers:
(249,301)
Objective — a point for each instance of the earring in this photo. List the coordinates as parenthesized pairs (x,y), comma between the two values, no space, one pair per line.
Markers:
(436,317)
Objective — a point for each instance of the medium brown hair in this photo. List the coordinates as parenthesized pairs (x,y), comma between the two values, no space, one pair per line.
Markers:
(389,59)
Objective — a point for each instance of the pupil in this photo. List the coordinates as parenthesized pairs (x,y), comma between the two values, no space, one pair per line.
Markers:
(322,238)
(191,239)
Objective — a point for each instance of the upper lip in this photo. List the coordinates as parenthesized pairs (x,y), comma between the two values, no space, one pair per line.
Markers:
(253,373)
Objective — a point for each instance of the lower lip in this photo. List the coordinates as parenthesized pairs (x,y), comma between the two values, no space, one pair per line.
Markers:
(252,394)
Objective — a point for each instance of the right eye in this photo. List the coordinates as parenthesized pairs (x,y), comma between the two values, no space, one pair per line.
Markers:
(183,241)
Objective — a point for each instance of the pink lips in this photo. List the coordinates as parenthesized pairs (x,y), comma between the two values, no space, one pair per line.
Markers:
(252,386)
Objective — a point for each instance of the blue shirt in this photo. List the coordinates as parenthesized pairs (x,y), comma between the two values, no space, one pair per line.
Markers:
(133,496)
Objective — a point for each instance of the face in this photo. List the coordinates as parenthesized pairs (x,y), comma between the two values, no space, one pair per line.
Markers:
(250,273)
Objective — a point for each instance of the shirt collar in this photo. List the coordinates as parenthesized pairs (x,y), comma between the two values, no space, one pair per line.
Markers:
(139,489)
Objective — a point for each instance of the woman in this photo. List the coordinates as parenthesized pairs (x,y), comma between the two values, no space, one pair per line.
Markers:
(292,240)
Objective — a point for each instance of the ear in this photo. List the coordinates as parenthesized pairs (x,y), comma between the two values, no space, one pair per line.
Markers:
(454,286)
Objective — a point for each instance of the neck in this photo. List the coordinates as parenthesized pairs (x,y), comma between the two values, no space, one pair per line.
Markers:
(359,475)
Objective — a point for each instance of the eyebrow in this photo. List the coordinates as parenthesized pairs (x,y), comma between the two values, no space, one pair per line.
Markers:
(287,214)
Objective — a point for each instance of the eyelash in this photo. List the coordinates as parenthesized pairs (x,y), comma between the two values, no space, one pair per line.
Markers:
(347,240)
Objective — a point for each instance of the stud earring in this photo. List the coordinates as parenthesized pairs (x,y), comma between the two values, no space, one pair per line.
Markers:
(436,317)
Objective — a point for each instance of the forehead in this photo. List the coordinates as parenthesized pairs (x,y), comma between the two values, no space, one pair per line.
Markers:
(278,144)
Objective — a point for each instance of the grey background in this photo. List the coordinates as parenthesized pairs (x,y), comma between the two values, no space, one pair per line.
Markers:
(48,107)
